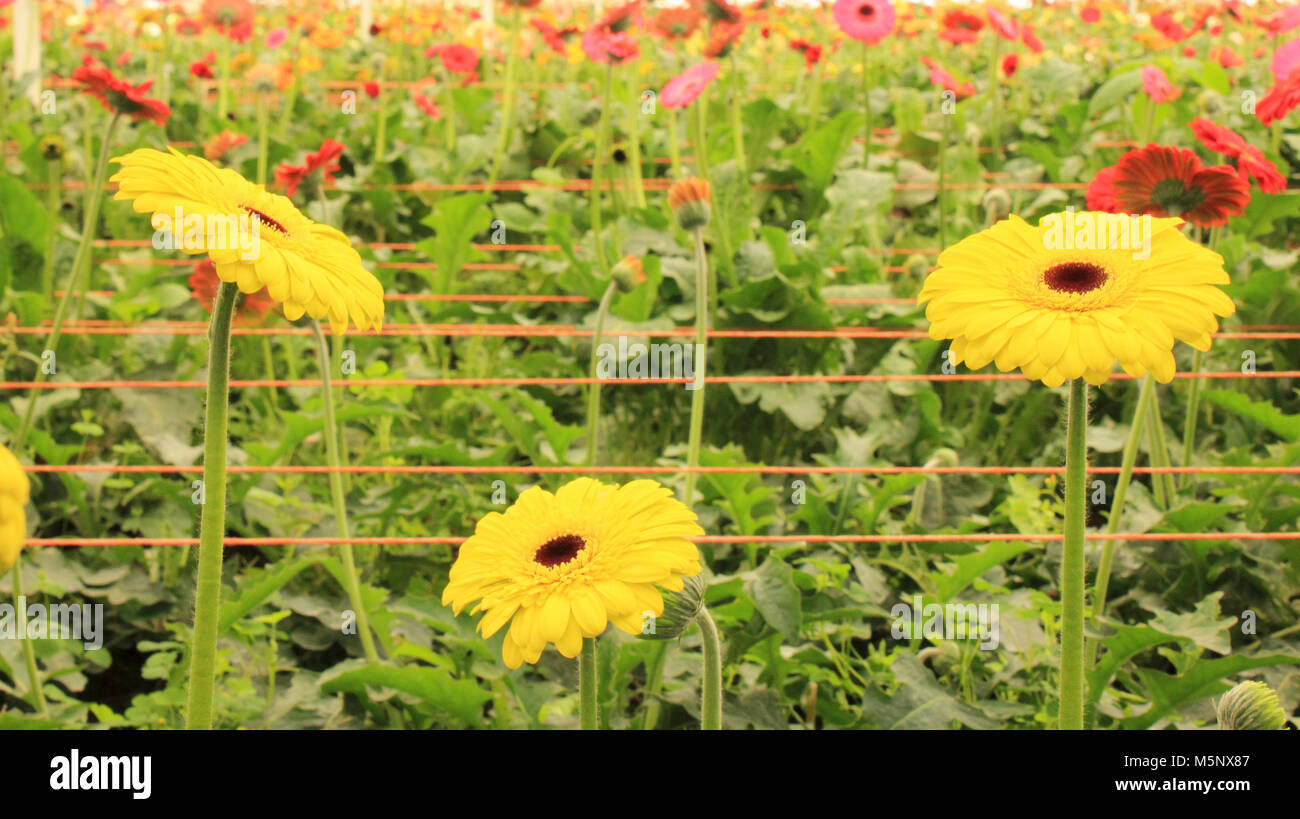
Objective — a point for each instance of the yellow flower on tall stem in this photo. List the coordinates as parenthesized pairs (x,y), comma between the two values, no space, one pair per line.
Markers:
(561,567)
(1064,301)
(255,240)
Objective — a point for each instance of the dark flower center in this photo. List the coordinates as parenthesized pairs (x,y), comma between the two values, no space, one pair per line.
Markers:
(266,220)
(560,550)
(1074,277)
(867,11)
(1176,197)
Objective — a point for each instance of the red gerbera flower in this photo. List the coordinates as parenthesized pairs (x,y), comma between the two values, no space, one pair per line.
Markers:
(1089,14)
(1251,162)
(456,58)
(1280,99)
(250,308)
(371,88)
(120,96)
(1009,64)
(604,46)
(619,18)
(722,36)
(323,160)
(1163,180)
(1226,57)
(718,11)
(550,34)
(201,69)
(1030,39)
(1100,194)
(812,54)
(676,23)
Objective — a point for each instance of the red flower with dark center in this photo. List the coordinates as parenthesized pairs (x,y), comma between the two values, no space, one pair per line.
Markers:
(201,69)
(1163,180)
(250,308)
(371,88)
(323,160)
(457,58)
(619,18)
(1280,99)
(676,23)
(718,11)
(120,96)
(1009,64)
(1251,161)
(1100,194)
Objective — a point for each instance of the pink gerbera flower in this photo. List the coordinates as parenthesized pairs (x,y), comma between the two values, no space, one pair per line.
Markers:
(1157,85)
(685,87)
(1006,28)
(276,38)
(868,21)
(1285,60)
(942,78)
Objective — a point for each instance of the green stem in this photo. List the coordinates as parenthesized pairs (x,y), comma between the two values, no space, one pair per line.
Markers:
(1072,566)
(587,685)
(593,393)
(701,134)
(995,104)
(653,683)
(331,435)
(597,168)
(737,122)
(212,525)
(93,198)
(1127,460)
(1162,482)
(674,144)
(700,357)
(223,90)
(711,705)
(943,180)
(1193,407)
(866,104)
(262,142)
(54,194)
(634,150)
(29,649)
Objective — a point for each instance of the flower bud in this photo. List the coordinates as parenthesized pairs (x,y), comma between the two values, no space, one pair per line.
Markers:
(680,609)
(1250,706)
(689,199)
(627,274)
(52,147)
(997,204)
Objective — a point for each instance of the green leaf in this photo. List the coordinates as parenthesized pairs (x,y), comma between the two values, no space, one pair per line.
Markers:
(462,699)
(455,221)
(819,152)
(1114,90)
(252,593)
(1263,413)
(776,597)
(948,584)
(919,703)
(1203,679)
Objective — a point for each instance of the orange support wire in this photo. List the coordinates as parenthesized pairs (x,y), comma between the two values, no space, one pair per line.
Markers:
(551,381)
(788,539)
(457,469)
(107,327)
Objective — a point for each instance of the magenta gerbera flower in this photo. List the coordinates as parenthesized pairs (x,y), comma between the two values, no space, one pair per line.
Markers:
(868,21)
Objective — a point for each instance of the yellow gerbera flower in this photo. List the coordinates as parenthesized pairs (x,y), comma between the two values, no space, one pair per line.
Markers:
(565,565)
(1045,300)
(306,266)
(14,491)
